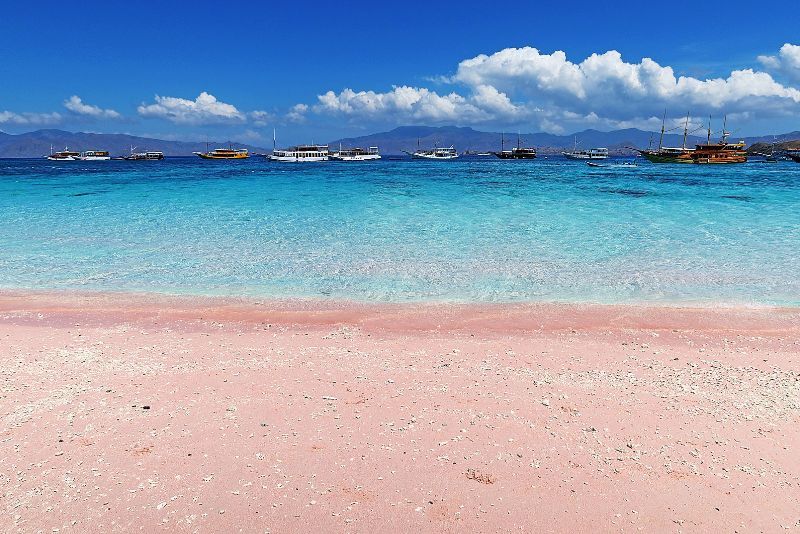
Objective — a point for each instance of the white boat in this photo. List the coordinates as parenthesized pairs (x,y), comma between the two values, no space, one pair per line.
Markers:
(586,153)
(437,153)
(150,156)
(301,154)
(356,154)
(139,156)
(64,155)
(95,155)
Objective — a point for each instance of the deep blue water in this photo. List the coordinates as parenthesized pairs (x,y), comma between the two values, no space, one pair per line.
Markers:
(469,230)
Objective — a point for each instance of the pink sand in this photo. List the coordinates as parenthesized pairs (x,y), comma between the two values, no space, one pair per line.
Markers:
(284,416)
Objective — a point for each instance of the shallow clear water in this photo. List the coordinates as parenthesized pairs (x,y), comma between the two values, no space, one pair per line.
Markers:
(469,230)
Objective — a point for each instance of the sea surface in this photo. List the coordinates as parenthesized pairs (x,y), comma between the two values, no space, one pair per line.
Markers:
(471,230)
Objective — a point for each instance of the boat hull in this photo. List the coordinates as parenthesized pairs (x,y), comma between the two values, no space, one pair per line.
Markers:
(235,156)
(719,153)
(720,161)
(656,157)
(504,155)
(583,156)
(294,159)
(433,158)
(365,157)
(143,158)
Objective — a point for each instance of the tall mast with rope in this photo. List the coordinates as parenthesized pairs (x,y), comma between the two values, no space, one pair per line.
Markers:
(685,130)
(724,130)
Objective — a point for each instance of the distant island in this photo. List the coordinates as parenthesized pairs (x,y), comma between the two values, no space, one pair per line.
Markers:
(38,143)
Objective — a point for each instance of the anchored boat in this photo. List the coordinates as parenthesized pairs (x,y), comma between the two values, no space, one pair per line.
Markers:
(437,153)
(95,155)
(719,153)
(356,154)
(225,153)
(64,155)
(590,153)
(517,152)
(301,154)
(670,154)
(139,156)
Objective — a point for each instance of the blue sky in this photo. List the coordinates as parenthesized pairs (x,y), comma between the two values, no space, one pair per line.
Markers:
(196,69)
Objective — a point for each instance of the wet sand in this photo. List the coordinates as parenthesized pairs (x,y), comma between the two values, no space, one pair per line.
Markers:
(123,412)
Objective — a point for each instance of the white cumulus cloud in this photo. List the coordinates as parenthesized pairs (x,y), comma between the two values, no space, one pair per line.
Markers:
(787,61)
(549,89)
(260,118)
(605,83)
(34,119)
(297,113)
(418,103)
(205,109)
(76,105)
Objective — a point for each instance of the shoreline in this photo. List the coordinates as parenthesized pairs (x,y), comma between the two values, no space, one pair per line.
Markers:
(512,317)
(122,412)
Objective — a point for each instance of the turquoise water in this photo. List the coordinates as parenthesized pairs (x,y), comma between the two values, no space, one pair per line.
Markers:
(470,230)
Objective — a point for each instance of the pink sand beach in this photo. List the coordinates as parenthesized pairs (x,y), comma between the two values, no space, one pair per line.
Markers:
(123,412)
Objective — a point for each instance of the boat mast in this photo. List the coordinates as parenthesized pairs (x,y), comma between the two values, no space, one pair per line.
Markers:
(517,139)
(661,140)
(273,140)
(502,141)
(709,129)
(685,130)
(724,128)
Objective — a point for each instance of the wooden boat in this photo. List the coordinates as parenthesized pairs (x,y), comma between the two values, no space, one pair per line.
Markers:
(518,152)
(64,155)
(719,153)
(225,153)
(669,154)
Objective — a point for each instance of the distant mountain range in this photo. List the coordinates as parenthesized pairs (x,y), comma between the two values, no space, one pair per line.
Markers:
(405,138)
(38,143)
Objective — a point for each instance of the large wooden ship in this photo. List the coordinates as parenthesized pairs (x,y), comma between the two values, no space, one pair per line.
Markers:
(719,153)
(670,154)
(518,152)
